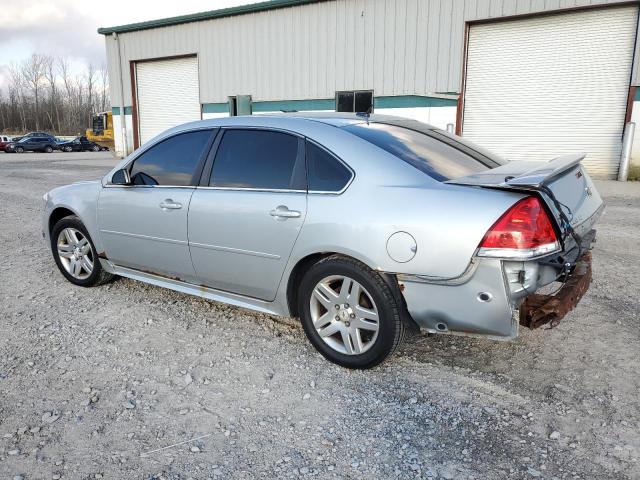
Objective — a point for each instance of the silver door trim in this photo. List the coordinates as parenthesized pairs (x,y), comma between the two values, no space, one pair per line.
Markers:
(146,237)
(235,250)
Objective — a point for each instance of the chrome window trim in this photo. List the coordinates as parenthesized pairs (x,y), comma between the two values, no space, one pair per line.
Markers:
(251,189)
(112,185)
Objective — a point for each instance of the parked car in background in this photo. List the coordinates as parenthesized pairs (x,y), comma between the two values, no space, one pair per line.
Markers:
(4,141)
(80,144)
(362,227)
(34,143)
(38,134)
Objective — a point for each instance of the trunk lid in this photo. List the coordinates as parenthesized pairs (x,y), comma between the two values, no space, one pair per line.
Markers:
(562,183)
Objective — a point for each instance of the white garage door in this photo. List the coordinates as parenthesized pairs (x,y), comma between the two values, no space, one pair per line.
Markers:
(167,95)
(550,85)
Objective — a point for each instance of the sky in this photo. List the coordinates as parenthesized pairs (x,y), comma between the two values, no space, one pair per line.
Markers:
(68,28)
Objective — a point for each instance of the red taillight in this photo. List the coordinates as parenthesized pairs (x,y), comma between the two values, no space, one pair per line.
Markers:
(525,226)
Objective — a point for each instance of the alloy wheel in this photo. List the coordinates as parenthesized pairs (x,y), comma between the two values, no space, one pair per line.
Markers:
(75,253)
(344,315)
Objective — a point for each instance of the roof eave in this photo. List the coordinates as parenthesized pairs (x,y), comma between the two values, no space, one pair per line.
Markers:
(202,16)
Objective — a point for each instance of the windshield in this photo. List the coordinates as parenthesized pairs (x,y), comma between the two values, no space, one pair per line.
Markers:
(438,154)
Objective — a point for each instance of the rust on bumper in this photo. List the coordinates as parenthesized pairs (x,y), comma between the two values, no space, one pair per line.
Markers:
(538,310)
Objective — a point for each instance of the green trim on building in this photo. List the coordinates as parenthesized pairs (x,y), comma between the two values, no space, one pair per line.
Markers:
(209,15)
(397,101)
(410,101)
(299,105)
(127,110)
(215,107)
(636,97)
(400,101)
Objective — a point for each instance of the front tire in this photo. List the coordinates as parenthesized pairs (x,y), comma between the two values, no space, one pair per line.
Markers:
(75,254)
(48,149)
(19,150)
(349,313)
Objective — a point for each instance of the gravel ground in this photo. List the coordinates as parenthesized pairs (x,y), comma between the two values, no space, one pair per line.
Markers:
(133,381)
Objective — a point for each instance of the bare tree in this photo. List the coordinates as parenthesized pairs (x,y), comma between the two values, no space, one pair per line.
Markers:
(91,78)
(51,79)
(17,88)
(104,87)
(33,74)
(44,92)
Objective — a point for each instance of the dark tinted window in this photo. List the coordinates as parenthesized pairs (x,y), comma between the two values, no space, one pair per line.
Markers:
(355,101)
(171,162)
(344,102)
(363,102)
(258,159)
(325,173)
(433,156)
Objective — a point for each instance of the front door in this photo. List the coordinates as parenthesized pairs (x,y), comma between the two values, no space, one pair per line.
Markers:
(144,225)
(244,224)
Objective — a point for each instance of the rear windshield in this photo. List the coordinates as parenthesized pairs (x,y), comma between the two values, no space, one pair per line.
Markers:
(438,154)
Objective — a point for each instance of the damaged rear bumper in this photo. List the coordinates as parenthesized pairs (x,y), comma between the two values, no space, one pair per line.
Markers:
(494,297)
(539,309)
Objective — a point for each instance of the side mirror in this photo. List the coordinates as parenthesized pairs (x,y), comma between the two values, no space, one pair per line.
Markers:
(121,177)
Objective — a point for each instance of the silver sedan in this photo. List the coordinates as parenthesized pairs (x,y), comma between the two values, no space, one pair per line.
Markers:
(364,227)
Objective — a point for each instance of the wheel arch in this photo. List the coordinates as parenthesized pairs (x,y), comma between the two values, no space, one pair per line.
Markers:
(58,214)
(305,263)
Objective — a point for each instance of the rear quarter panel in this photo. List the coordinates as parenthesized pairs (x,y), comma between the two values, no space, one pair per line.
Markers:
(447,222)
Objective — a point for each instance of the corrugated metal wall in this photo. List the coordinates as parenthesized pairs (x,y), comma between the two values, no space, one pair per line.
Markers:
(395,47)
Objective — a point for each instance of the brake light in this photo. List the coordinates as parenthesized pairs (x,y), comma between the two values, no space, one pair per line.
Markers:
(524,230)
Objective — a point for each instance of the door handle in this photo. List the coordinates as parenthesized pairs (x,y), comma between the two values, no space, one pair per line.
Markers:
(282,211)
(169,204)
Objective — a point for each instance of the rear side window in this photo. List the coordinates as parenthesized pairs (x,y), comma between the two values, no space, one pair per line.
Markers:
(325,173)
(172,162)
(259,159)
(433,156)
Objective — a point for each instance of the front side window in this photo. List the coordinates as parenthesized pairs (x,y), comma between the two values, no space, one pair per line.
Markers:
(429,151)
(258,159)
(172,162)
(325,173)
(356,101)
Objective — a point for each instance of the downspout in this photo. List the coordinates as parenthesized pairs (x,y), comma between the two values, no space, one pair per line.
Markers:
(123,121)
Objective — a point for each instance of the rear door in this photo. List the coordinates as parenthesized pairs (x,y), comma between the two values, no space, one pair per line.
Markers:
(245,219)
(144,225)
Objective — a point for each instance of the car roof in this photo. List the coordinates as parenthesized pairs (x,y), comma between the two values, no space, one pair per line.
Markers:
(302,120)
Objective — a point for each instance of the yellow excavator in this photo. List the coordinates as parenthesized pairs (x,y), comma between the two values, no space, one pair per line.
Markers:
(101,131)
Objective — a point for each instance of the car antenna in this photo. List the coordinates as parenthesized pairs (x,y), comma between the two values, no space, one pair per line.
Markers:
(366,114)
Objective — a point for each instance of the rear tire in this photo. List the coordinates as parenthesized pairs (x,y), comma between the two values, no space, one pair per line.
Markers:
(75,255)
(349,313)
(48,149)
(95,148)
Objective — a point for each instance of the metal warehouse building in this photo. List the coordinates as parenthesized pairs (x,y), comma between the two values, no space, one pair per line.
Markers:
(528,79)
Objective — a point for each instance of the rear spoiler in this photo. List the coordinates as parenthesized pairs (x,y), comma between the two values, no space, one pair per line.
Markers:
(524,174)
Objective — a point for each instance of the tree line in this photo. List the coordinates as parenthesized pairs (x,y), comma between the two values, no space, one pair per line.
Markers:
(43,94)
